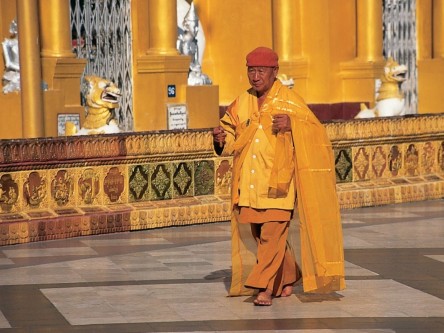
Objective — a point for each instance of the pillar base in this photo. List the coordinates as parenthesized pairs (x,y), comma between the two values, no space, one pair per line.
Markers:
(358,79)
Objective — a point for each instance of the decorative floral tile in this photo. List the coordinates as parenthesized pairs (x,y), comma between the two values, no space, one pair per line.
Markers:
(343,165)
(139,180)
(161,182)
(379,162)
(183,184)
(204,177)
(361,163)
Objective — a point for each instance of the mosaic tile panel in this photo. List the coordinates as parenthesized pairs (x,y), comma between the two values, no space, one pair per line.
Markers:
(378,162)
(361,163)
(61,183)
(428,158)
(411,160)
(441,157)
(395,160)
(223,176)
(36,190)
(161,181)
(139,180)
(9,193)
(343,165)
(183,184)
(204,177)
(88,183)
(114,185)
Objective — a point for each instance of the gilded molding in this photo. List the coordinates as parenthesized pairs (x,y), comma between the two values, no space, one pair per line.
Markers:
(374,130)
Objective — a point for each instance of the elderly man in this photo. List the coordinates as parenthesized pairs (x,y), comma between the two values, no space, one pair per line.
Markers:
(282,160)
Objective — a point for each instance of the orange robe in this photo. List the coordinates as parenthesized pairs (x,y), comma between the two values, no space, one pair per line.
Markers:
(312,170)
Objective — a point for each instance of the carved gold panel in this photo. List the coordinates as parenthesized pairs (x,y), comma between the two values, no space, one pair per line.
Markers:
(61,188)
(114,184)
(223,169)
(89,188)
(36,190)
(10,185)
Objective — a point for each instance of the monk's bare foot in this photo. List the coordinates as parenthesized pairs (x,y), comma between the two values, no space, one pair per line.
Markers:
(263,298)
(287,291)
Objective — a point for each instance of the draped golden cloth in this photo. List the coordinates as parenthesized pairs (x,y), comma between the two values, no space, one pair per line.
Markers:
(312,169)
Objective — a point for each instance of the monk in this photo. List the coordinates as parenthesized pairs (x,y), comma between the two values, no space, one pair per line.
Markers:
(283,170)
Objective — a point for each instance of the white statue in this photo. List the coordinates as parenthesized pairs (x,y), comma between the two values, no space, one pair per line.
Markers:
(11,77)
(188,43)
(390,98)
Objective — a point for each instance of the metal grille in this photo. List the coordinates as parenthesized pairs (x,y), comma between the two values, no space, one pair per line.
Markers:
(399,26)
(101,33)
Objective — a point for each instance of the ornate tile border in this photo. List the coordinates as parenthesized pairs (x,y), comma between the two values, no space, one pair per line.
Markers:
(72,186)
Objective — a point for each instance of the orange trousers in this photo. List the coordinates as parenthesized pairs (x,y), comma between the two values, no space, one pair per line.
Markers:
(276,266)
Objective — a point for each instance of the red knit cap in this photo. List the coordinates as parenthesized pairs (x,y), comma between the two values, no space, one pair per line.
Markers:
(262,56)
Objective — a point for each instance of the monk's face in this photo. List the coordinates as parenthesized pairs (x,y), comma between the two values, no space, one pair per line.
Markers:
(262,78)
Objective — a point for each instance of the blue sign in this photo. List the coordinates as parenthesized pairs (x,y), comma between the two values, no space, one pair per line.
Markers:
(171,90)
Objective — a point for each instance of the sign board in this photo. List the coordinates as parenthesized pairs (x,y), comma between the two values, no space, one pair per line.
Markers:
(177,116)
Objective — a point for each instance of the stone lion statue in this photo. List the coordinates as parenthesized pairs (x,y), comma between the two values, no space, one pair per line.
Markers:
(390,99)
(102,97)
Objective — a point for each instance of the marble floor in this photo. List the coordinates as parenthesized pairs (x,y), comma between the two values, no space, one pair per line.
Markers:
(176,279)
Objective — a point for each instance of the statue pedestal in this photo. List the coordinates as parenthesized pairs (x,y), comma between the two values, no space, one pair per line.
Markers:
(203,106)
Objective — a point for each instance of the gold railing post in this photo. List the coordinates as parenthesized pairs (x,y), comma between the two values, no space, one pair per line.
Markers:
(30,69)
(162,27)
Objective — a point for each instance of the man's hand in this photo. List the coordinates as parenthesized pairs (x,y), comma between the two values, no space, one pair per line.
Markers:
(219,136)
(281,123)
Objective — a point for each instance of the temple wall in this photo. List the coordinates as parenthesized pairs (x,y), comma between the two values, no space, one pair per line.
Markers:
(332,51)
(66,187)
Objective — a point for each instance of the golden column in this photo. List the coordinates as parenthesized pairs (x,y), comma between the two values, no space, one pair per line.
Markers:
(55,29)
(369,37)
(30,69)
(438,28)
(162,27)
(157,65)
(287,41)
(424,29)
(287,29)
(61,70)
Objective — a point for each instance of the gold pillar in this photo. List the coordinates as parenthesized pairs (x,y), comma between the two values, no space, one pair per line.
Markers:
(287,29)
(438,28)
(424,29)
(162,27)
(287,41)
(30,69)
(369,18)
(55,29)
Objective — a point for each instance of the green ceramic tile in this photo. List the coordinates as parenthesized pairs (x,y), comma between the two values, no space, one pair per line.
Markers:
(204,177)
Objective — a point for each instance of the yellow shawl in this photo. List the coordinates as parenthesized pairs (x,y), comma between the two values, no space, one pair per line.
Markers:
(321,246)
